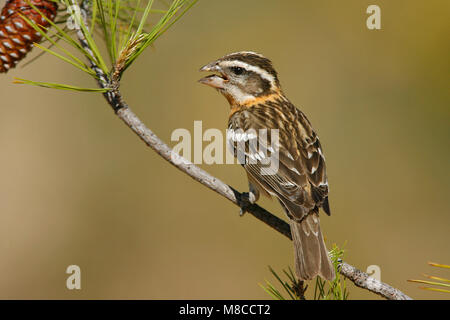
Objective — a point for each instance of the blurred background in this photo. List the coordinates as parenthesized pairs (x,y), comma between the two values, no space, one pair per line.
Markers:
(78,187)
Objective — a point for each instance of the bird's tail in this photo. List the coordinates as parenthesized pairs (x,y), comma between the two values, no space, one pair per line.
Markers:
(311,255)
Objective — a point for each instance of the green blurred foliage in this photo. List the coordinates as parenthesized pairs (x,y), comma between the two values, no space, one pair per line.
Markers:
(78,187)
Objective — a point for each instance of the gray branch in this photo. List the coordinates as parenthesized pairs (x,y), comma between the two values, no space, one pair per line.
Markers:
(114,98)
(363,280)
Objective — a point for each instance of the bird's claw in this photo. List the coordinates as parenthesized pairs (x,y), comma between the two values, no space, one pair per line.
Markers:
(245,201)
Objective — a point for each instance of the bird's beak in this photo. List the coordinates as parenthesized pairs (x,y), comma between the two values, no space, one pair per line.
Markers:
(216,80)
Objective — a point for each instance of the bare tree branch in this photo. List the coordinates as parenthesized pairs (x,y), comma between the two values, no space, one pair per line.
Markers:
(363,280)
(114,98)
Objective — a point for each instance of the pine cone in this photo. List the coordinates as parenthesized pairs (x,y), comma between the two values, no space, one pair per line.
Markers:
(16,35)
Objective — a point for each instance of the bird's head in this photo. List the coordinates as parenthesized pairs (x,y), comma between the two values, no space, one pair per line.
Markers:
(242,77)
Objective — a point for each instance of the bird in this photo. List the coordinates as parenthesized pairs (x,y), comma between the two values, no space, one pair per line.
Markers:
(263,123)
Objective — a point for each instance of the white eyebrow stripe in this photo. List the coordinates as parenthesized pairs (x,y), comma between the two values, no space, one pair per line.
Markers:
(249,67)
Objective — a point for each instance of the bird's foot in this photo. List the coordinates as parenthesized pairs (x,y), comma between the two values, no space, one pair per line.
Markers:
(245,201)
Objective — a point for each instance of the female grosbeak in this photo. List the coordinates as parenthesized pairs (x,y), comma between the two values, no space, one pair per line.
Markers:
(299,181)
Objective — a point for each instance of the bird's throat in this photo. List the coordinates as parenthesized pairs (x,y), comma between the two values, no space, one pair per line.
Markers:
(238,106)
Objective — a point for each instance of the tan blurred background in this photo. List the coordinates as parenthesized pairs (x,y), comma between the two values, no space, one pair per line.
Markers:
(78,187)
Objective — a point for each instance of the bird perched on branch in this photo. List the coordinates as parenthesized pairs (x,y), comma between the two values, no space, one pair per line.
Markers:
(264,125)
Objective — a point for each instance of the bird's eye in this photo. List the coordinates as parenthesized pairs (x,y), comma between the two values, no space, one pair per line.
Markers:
(237,70)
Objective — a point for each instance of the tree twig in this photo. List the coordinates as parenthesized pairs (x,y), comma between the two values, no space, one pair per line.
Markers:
(115,100)
(363,280)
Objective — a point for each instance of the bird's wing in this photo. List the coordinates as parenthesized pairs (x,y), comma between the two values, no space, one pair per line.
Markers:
(291,168)
(312,158)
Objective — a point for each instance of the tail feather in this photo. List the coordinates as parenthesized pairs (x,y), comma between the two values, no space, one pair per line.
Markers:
(311,255)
